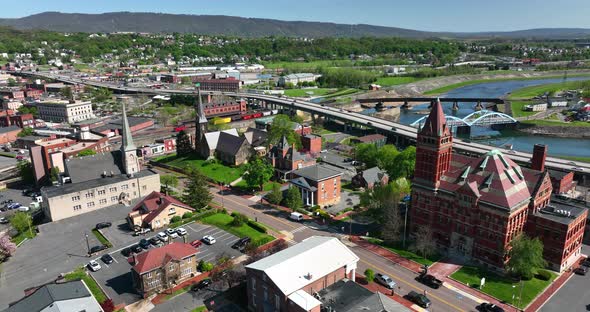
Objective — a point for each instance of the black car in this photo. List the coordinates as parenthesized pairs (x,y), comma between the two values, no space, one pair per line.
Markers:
(106,258)
(155,241)
(103,225)
(489,307)
(582,270)
(586,262)
(430,280)
(418,299)
(96,249)
(241,243)
(144,243)
(126,252)
(202,284)
(136,249)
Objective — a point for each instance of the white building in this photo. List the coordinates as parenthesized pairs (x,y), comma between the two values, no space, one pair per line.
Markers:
(298,78)
(65,111)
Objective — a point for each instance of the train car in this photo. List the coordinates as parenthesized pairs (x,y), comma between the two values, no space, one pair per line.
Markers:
(266,113)
(236,117)
(275,111)
(180,128)
(257,115)
(220,120)
(247,116)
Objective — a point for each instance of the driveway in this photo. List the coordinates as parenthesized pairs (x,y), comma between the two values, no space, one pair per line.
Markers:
(60,247)
(115,278)
(347,200)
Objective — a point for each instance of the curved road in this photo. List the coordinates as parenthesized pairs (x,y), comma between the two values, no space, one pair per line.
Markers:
(383,125)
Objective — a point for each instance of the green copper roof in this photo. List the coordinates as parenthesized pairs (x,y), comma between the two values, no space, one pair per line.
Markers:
(494,152)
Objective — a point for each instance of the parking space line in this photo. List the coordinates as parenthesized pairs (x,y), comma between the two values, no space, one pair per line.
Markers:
(232,242)
(221,236)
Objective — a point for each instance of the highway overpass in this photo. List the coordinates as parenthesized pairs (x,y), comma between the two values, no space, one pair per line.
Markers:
(390,128)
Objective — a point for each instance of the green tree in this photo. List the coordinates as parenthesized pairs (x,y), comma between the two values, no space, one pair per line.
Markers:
(168,180)
(11,82)
(26,132)
(404,164)
(258,172)
(367,153)
(21,221)
(28,110)
(87,152)
(369,275)
(183,144)
(66,92)
(387,156)
(54,174)
(25,170)
(526,256)
(283,126)
(275,196)
(196,192)
(293,198)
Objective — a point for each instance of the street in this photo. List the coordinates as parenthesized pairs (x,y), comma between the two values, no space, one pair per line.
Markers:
(443,299)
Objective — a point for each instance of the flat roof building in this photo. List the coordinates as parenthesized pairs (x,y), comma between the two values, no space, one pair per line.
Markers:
(65,111)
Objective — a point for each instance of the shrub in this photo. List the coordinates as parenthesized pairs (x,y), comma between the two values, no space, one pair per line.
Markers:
(257,226)
(369,275)
(175,219)
(543,275)
(205,266)
(187,215)
(207,213)
(239,219)
(322,213)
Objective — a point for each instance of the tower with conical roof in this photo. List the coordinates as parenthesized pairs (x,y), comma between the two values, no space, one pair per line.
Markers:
(128,149)
(434,146)
(201,122)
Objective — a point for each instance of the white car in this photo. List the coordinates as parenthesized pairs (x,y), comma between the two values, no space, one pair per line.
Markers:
(209,240)
(162,236)
(181,231)
(93,266)
(172,233)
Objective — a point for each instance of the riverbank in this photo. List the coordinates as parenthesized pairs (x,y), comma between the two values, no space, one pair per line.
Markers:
(555,129)
(439,85)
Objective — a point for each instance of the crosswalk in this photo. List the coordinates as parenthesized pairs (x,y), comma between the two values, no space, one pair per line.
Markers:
(299,229)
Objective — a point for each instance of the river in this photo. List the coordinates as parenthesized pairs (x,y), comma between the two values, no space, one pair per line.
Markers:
(524,143)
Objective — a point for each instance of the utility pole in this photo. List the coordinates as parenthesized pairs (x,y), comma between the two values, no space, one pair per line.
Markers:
(87,244)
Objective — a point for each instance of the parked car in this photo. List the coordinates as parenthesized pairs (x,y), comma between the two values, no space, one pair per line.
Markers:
(489,307)
(209,240)
(181,231)
(103,225)
(296,216)
(196,243)
(23,208)
(430,280)
(162,236)
(106,258)
(241,243)
(96,249)
(418,299)
(3,220)
(172,233)
(586,262)
(126,252)
(155,240)
(136,249)
(581,270)
(385,280)
(93,266)
(202,284)
(144,243)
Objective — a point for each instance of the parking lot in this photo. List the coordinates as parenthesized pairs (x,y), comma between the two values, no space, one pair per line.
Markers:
(115,278)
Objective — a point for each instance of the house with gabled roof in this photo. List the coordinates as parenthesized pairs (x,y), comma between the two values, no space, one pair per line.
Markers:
(155,211)
(162,268)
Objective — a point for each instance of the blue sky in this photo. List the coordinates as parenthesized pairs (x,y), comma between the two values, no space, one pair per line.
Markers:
(434,15)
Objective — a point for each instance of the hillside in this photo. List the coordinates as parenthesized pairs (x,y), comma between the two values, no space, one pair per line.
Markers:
(247,27)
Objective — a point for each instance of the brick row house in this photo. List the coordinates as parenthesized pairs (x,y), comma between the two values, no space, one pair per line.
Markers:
(476,206)
(318,184)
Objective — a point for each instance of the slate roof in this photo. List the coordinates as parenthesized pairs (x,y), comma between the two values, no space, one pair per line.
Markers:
(255,137)
(371,138)
(48,294)
(317,172)
(493,177)
(348,296)
(158,257)
(81,169)
(557,174)
(212,138)
(301,182)
(373,175)
(155,203)
(229,144)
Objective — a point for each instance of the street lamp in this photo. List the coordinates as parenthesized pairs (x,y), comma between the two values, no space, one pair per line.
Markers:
(87,244)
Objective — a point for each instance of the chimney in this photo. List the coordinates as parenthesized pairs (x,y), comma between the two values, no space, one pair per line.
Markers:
(539,155)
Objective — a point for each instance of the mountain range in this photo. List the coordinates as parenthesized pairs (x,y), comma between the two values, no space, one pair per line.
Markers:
(249,27)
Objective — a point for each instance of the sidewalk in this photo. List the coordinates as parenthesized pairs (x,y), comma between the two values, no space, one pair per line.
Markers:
(550,291)
(385,253)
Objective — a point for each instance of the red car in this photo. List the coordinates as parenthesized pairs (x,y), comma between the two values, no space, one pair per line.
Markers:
(196,243)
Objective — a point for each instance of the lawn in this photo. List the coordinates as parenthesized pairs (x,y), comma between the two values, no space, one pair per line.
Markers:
(199,309)
(244,186)
(311,65)
(177,292)
(342,92)
(577,158)
(80,274)
(103,240)
(394,81)
(308,92)
(553,123)
(532,91)
(223,221)
(500,287)
(517,109)
(404,252)
(22,236)
(213,170)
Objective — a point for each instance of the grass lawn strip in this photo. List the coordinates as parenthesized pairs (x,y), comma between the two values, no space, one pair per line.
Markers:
(80,274)
(103,240)
(308,92)
(394,81)
(406,253)
(213,170)
(553,123)
(17,240)
(223,221)
(177,292)
(577,158)
(500,287)
(199,309)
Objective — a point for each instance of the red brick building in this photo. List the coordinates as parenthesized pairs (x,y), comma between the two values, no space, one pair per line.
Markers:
(287,281)
(33,93)
(227,108)
(221,85)
(318,184)
(285,158)
(476,206)
(311,144)
(12,94)
(563,182)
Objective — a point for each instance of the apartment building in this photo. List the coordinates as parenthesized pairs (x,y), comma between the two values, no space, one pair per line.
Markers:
(65,111)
